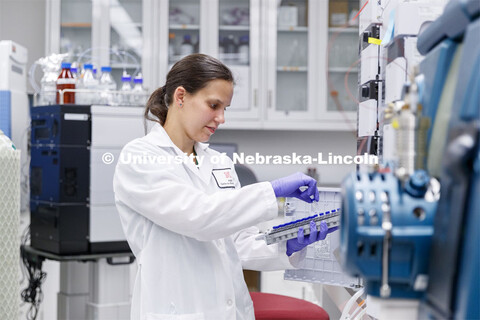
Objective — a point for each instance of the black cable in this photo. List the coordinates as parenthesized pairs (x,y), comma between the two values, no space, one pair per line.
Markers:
(35,276)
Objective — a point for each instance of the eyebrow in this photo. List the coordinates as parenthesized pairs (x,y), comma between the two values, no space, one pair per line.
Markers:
(218,101)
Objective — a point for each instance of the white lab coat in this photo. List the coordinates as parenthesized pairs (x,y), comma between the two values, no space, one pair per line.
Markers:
(191,238)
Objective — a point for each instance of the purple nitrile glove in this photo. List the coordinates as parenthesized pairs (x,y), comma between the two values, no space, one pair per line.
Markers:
(289,187)
(300,242)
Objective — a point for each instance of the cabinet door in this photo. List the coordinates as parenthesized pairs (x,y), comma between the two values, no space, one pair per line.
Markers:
(292,64)
(339,82)
(238,47)
(75,26)
(126,40)
(183,29)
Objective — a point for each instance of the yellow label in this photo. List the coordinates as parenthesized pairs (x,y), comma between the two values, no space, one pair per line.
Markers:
(395,124)
(374,41)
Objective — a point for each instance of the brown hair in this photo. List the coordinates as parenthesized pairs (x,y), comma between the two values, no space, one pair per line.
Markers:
(193,73)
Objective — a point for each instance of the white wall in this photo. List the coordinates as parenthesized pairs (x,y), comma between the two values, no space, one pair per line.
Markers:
(285,143)
(23,21)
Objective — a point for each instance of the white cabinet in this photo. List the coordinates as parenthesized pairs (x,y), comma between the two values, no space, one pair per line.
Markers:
(292,64)
(103,32)
(338,76)
(226,29)
(295,66)
(307,67)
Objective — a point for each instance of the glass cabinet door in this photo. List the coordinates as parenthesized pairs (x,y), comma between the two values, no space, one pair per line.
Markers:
(342,52)
(75,26)
(184,29)
(289,93)
(126,41)
(238,44)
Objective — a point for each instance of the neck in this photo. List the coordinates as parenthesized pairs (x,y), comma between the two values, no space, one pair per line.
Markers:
(179,138)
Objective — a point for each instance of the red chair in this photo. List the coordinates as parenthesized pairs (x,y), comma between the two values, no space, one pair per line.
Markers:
(269,306)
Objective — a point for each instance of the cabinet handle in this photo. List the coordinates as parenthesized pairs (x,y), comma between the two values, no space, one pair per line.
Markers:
(269,98)
(255,101)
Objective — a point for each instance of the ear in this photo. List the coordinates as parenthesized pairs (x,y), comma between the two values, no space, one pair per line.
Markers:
(179,95)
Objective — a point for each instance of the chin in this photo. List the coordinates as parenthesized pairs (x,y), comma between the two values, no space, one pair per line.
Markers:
(202,138)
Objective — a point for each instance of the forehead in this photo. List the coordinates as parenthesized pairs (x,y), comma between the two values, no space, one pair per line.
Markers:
(217,88)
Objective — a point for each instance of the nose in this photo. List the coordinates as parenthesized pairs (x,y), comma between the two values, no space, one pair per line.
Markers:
(220,116)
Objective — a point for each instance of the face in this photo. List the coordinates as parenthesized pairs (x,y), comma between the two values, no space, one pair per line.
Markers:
(203,112)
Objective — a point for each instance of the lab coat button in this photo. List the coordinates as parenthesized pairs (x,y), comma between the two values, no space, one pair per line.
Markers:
(229,302)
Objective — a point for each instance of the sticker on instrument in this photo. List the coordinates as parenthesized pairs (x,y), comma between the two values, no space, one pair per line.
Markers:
(224,178)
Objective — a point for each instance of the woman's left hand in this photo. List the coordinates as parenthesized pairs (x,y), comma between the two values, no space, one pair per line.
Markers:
(290,187)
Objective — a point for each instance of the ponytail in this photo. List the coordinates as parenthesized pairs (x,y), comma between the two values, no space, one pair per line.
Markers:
(157,106)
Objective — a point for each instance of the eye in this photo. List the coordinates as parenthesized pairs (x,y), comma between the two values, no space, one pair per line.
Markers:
(213,105)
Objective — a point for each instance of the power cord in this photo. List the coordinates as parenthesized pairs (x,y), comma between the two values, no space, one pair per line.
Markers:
(32,266)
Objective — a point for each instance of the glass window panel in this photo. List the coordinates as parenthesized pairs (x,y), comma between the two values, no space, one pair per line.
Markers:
(234,33)
(126,33)
(292,91)
(343,56)
(341,96)
(75,26)
(184,29)
(234,47)
(292,56)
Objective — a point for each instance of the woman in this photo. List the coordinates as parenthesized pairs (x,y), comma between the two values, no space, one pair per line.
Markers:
(188,222)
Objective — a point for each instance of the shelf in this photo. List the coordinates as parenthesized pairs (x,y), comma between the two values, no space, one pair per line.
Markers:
(292,69)
(292,29)
(234,28)
(344,30)
(76,25)
(184,27)
(343,70)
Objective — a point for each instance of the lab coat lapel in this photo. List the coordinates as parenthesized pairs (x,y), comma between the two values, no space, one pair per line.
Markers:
(159,137)
(205,168)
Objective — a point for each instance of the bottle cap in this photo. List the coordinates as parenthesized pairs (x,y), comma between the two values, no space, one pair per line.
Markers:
(66,65)
(186,37)
(137,80)
(126,78)
(74,70)
(106,69)
(88,66)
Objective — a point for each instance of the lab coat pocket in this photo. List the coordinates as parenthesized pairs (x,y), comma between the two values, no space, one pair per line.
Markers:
(190,316)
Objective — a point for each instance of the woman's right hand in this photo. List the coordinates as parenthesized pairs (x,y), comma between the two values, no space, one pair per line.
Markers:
(290,187)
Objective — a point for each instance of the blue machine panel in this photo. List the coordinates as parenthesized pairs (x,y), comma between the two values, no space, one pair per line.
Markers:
(60,174)
(366,200)
(61,125)
(6,112)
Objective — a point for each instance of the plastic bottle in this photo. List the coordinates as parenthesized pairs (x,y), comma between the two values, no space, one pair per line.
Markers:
(125,97)
(243,49)
(48,87)
(66,81)
(230,48)
(139,94)
(107,85)
(74,72)
(186,47)
(88,82)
